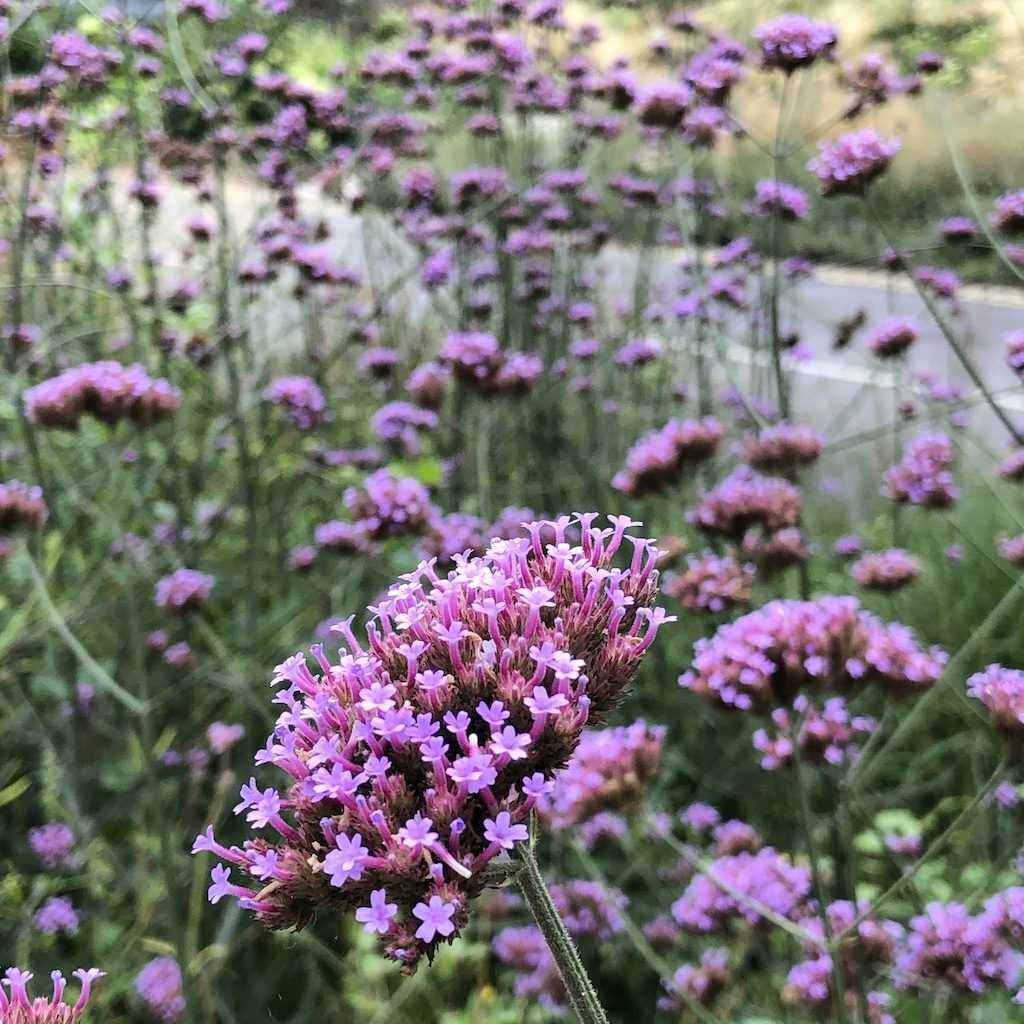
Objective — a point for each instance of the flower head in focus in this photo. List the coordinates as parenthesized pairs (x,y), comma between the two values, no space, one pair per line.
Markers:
(417,756)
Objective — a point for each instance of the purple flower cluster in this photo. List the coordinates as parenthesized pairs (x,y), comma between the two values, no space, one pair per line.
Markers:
(609,772)
(781,449)
(52,844)
(479,362)
(400,424)
(849,164)
(747,879)
(969,952)
(1001,690)
(765,659)
(885,571)
(712,583)
(744,500)
(107,390)
(893,336)
(17,1007)
(779,200)
(183,590)
(1008,216)
(390,506)
(701,984)
(301,398)
(57,914)
(417,757)
(792,41)
(922,476)
(21,506)
(459,534)
(1012,549)
(159,986)
(341,538)
(829,735)
(660,458)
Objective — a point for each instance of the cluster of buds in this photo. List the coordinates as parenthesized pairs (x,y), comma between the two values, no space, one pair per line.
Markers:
(660,458)
(893,337)
(765,659)
(417,756)
(21,505)
(107,390)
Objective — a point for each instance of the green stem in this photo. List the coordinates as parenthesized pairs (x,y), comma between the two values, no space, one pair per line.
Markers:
(582,995)
(932,851)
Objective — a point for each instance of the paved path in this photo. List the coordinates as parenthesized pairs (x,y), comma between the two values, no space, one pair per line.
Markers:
(848,392)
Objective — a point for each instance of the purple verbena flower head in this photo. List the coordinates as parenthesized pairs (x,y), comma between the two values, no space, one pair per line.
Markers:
(922,476)
(301,398)
(415,757)
(766,877)
(389,506)
(57,914)
(183,590)
(777,199)
(1009,213)
(107,390)
(886,571)
(1001,690)
(21,506)
(1014,341)
(849,164)
(659,459)
(767,658)
(792,41)
(711,584)
(609,771)
(663,104)
(52,844)
(826,735)
(893,336)
(781,448)
(400,424)
(744,500)
(159,985)
(701,984)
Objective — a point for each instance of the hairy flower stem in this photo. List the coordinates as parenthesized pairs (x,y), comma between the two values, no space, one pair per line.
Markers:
(582,995)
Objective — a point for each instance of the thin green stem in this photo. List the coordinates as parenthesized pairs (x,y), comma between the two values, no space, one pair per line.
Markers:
(933,850)
(582,995)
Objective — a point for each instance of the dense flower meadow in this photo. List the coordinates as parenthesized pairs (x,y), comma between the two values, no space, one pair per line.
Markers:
(621,660)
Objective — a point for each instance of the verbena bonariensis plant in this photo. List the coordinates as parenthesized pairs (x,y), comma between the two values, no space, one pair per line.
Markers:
(296,327)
